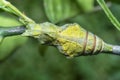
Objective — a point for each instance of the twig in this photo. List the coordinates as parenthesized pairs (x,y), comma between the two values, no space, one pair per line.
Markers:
(11,31)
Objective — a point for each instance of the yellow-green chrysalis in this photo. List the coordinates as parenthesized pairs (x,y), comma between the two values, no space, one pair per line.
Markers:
(71,39)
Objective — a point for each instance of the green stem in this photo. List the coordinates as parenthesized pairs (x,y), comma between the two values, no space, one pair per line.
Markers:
(109,14)
(7,6)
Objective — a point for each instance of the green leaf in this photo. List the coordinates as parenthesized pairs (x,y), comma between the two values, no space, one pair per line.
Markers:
(1,38)
(10,44)
(58,10)
(86,5)
(8,20)
(2,3)
(109,14)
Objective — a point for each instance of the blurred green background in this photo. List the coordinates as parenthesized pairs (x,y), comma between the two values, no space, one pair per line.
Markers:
(23,58)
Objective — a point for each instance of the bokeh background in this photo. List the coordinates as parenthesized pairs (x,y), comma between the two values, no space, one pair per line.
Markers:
(23,58)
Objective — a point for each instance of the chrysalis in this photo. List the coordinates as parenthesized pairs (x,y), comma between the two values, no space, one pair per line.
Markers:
(76,41)
(71,39)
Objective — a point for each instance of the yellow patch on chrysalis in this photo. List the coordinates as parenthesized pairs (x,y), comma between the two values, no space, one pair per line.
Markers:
(74,31)
(71,40)
(68,47)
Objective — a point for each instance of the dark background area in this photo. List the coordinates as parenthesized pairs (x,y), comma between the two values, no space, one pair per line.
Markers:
(23,58)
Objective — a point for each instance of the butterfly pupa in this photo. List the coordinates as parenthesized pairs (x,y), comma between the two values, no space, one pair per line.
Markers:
(71,39)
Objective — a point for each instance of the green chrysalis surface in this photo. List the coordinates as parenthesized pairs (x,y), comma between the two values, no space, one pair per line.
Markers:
(71,39)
